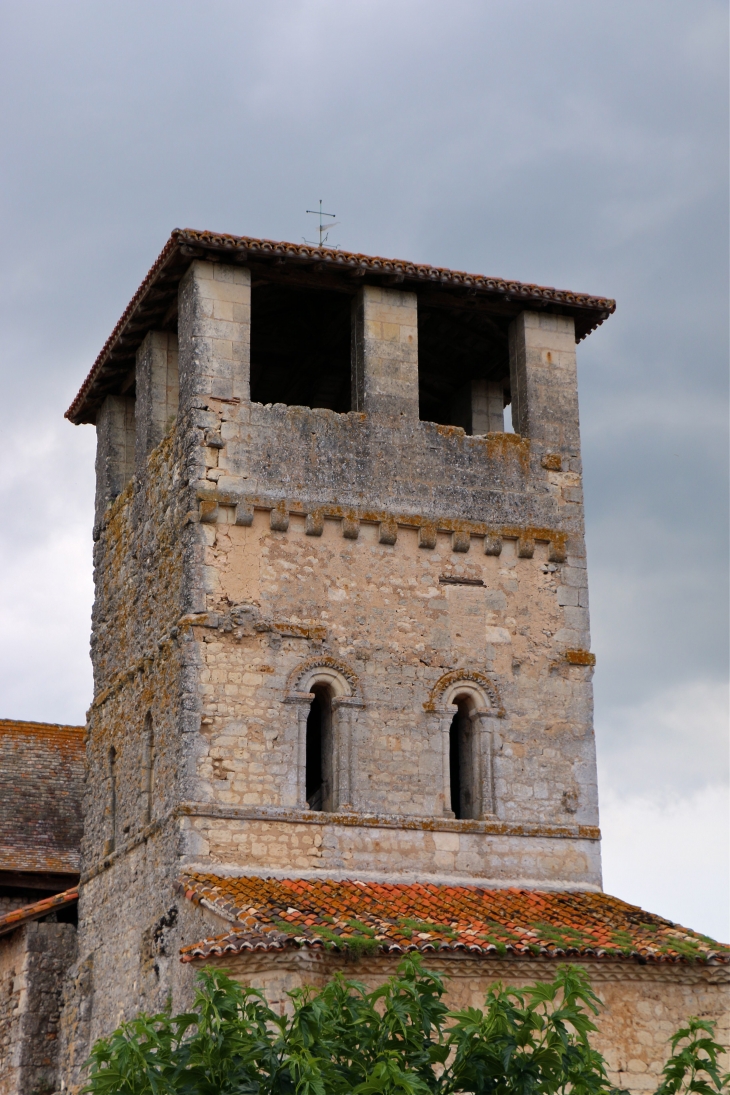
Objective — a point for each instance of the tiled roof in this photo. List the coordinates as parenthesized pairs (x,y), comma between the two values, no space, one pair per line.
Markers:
(41,780)
(12,920)
(153,298)
(274,914)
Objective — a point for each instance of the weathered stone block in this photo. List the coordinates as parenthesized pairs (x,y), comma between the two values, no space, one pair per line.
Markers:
(214,332)
(385,353)
(115,446)
(544,382)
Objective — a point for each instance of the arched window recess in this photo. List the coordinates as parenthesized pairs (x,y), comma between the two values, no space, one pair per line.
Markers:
(327,696)
(468,718)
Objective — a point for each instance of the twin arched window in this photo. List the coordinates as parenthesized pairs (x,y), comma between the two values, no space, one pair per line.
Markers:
(467,706)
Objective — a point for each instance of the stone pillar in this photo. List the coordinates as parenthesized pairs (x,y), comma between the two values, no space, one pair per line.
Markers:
(157,385)
(114,450)
(214,331)
(487,407)
(446,718)
(385,352)
(544,381)
(296,794)
(344,715)
(482,722)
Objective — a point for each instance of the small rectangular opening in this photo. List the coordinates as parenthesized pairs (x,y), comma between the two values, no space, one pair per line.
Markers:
(463,369)
(300,346)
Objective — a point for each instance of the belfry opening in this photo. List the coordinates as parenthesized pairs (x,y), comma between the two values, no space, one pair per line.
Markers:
(300,346)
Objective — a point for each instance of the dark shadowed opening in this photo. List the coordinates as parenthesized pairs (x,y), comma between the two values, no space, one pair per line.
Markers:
(319,751)
(461,763)
(300,346)
(463,368)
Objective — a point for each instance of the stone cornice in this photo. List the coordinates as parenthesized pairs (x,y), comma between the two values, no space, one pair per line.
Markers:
(291,816)
(457,965)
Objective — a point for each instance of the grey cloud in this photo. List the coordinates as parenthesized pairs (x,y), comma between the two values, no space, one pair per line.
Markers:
(567,144)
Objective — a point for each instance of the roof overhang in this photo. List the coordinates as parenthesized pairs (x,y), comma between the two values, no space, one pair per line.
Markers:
(156,298)
(15,919)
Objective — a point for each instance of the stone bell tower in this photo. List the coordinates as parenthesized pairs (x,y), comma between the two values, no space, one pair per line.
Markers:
(341,617)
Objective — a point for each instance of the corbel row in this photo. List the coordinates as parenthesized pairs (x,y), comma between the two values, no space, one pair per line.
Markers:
(462,532)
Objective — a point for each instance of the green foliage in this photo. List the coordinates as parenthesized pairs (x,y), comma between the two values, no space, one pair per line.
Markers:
(408,926)
(365,929)
(399,1039)
(693,1067)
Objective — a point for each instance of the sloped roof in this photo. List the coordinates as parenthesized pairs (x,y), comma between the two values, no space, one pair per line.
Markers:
(274,914)
(12,920)
(41,781)
(157,294)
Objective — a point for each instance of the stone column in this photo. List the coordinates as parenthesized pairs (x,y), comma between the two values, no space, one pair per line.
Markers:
(446,717)
(296,794)
(482,722)
(385,353)
(544,382)
(114,450)
(157,385)
(344,716)
(487,407)
(214,331)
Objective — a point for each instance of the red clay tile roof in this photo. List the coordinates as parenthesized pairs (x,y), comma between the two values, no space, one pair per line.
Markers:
(157,292)
(41,780)
(12,920)
(273,914)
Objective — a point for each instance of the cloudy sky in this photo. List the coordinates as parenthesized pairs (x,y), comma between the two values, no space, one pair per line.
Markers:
(566,142)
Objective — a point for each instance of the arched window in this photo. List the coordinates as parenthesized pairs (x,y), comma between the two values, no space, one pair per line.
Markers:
(319,750)
(463,763)
(327,696)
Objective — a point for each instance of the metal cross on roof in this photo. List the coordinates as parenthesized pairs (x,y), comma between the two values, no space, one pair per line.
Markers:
(323,228)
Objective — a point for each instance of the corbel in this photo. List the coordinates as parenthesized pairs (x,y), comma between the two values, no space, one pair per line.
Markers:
(525,547)
(492,544)
(427,536)
(314,523)
(388,533)
(279,517)
(350,527)
(460,540)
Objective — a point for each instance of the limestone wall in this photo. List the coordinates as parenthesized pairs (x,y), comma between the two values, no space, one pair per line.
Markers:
(396,619)
(642,1005)
(33,962)
(138,745)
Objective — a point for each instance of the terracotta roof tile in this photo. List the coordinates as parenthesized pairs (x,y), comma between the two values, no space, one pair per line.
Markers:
(41,780)
(355,916)
(12,920)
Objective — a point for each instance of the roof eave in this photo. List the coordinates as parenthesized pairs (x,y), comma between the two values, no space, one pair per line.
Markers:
(187,244)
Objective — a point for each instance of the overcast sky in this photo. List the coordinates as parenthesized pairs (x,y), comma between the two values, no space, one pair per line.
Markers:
(564,142)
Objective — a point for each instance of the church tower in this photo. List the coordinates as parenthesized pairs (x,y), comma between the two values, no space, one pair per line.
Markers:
(341,619)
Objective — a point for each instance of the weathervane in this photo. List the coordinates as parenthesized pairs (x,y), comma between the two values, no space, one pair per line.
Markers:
(324,229)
